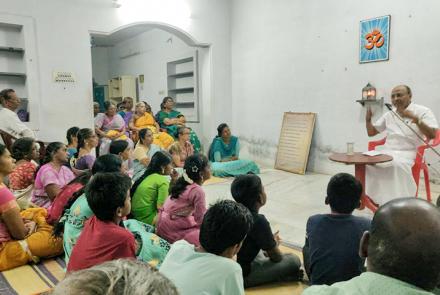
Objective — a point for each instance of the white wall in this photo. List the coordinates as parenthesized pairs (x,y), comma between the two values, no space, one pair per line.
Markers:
(100,65)
(302,56)
(153,50)
(63,44)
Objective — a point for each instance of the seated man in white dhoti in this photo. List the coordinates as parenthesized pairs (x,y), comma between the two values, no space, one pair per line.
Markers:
(387,181)
(9,121)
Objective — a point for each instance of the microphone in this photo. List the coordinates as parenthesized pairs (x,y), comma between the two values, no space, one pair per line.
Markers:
(389,107)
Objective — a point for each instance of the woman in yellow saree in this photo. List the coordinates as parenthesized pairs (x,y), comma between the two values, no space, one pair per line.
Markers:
(143,118)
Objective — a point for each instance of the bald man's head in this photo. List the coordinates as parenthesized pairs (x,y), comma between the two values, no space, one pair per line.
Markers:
(404,242)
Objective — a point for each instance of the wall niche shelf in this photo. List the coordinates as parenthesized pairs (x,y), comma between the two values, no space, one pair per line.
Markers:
(178,90)
(10,74)
(182,75)
(364,102)
(185,105)
(11,49)
(16,50)
(182,86)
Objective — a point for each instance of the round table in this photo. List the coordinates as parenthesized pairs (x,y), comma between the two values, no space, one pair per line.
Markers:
(360,161)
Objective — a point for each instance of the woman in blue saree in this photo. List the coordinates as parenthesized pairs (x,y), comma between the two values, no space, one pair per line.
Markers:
(171,120)
(224,155)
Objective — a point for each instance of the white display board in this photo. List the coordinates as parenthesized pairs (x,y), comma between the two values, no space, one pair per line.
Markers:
(295,140)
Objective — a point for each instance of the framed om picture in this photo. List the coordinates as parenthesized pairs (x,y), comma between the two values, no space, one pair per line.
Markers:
(374,39)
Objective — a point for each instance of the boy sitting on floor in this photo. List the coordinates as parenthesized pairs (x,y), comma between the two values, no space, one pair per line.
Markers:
(260,257)
(103,238)
(210,269)
(331,250)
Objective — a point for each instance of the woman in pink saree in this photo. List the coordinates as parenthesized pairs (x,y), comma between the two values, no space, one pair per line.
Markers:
(110,126)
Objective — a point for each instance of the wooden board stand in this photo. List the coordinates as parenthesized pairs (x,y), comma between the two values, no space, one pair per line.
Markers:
(295,140)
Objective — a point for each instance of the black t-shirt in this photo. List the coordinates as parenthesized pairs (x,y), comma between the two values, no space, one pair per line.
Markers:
(260,237)
(334,247)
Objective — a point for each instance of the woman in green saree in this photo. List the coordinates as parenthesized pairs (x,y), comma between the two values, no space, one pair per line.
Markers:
(170,120)
(224,155)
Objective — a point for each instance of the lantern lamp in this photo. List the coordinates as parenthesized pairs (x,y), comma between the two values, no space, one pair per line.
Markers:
(369,92)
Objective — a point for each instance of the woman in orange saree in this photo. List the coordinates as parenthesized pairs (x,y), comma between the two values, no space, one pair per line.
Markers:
(143,118)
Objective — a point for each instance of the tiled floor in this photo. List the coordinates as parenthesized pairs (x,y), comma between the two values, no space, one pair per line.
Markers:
(291,200)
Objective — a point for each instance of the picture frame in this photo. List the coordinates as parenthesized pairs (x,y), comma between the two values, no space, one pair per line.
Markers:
(374,39)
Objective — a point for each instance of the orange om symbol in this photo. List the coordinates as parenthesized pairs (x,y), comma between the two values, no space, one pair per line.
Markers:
(374,39)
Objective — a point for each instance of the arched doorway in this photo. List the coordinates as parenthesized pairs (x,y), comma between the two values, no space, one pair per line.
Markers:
(202,76)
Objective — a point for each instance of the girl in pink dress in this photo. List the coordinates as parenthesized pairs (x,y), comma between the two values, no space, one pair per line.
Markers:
(52,175)
(182,214)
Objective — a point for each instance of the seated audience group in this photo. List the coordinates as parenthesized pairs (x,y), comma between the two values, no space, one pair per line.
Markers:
(125,204)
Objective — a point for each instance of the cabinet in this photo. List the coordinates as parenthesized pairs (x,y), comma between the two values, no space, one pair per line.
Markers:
(183,87)
(121,87)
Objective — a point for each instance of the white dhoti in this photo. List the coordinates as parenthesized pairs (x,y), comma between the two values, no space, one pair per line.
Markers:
(387,181)
(391,180)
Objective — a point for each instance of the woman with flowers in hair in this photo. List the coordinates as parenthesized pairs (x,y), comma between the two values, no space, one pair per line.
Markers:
(182,214)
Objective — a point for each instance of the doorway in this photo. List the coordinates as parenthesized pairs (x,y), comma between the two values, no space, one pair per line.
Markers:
(148,61)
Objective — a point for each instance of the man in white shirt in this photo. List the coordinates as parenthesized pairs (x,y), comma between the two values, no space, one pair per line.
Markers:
(394,179)
(210,268)
(9,121)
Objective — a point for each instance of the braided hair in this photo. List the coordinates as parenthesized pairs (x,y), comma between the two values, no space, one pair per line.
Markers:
(158,161)
(193,169)
(71,132)
(82,135)
(51,149)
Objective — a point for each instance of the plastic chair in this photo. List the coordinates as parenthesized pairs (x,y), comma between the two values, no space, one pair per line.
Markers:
(419,162)
(8,141)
